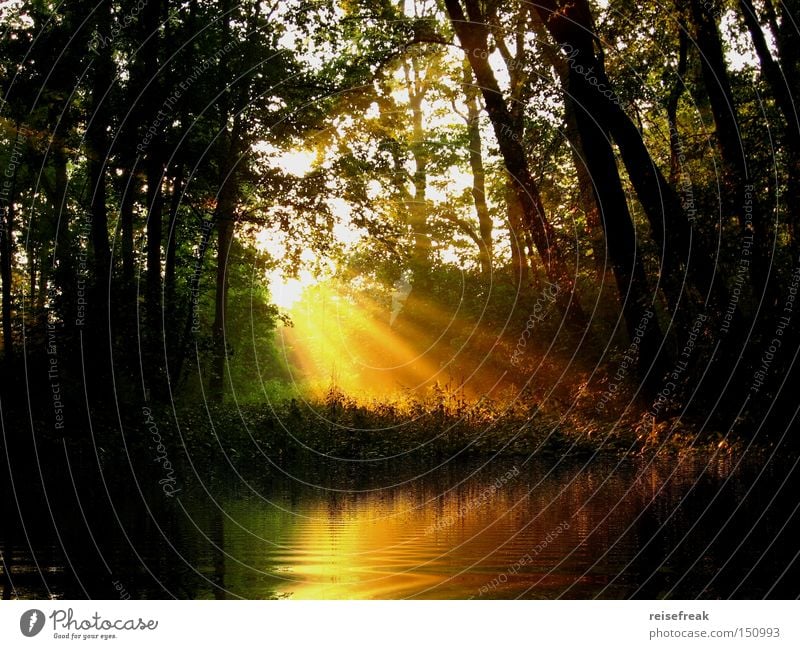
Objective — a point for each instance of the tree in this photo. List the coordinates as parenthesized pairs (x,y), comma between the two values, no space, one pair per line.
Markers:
(781,78)
(473,34)
(598,157)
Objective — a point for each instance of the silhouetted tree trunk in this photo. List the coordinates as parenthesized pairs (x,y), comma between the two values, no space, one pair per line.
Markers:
(735,175)
(522,247)
(780,81)
(7,261)
(720,95)
(418,209)
(637,299)
(518,236)
(155,214)
(172,242)
(224,217)
(97,152)
(154,167)
(124,298)
(130,193)
(672,104)
(571,27)
(787,38)
(475,145)
(63,251)
(473,35)
(586,191)
(772,72)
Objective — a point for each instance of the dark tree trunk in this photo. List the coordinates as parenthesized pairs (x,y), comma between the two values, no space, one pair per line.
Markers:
(172,243)
(718,87)
(585,185)
(98,151)
(154,168)
(473,35)
(522,248)
(637,299)
(172,332)
(63,252)
(735,175)
(7,263)
(588,203)
(224,218)
(485,224)
(672,106)
(155,213)
(780,81)
(773,74)
(621,238)
(520,241)
(787,39)
(571,27)
(126,217)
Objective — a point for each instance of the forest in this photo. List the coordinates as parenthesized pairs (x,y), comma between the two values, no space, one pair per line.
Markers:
(250,234)
(554,204)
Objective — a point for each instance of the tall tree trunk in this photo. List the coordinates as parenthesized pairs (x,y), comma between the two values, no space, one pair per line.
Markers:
(521,273)
(97,153)
(787,39)
(736,179)
(779,83)
(154,167)
(171,315)
(672,105)
(125,298)
(8,196)
(63,252)
(155,213)
(522,247)
(485,224)
(473,35)
(773,74)
(637,299)
(172,242)
(585,184)
(570,24)
(130,193)
(224,218)
(718,87)
(418,201)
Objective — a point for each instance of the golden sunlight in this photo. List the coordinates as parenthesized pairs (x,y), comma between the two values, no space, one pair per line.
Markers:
(287,291)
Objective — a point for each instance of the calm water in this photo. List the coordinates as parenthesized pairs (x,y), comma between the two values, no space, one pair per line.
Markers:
(610,529)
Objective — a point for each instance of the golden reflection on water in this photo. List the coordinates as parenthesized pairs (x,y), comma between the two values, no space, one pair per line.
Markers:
(567,534)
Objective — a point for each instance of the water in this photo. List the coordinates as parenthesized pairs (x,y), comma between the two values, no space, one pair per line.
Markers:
(698,527)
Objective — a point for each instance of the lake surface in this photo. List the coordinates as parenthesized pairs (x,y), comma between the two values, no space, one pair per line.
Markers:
(516,528)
